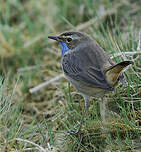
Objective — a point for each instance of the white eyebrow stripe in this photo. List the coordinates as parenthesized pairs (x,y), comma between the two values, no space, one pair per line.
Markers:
(74,37)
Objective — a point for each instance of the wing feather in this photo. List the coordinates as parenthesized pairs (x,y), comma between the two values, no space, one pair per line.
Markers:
(89,73)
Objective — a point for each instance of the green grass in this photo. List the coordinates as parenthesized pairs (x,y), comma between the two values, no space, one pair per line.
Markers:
(40,121)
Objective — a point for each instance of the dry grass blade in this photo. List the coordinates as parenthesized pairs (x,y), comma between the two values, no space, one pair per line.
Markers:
(44,84)
(32,143)
(125,53)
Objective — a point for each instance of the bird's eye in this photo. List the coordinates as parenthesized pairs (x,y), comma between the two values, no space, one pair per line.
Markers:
(69,39)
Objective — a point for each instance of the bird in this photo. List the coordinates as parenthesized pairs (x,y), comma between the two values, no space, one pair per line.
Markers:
(88,68)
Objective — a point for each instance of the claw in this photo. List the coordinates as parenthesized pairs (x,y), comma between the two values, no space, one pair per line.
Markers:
(73,132)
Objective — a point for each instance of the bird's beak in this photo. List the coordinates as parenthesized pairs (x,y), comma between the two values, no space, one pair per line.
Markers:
(53,37)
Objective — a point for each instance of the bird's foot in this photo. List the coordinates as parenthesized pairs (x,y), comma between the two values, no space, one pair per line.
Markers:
(74,132)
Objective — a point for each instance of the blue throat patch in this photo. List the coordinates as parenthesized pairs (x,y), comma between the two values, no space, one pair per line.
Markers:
(64,47)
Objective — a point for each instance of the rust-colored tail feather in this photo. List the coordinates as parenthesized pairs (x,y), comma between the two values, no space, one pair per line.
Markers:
(112,74)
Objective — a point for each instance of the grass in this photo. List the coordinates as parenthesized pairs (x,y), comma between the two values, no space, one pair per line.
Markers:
(40,121)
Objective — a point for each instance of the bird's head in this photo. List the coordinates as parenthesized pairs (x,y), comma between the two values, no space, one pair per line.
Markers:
(70,40)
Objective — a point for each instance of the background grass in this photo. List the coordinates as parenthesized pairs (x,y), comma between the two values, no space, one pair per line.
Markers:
(40,121)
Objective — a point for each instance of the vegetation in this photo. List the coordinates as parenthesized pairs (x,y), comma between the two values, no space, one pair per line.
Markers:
(40,121)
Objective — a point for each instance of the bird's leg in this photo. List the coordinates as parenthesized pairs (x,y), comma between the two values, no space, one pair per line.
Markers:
(86,106)
(103,113)
(103,109)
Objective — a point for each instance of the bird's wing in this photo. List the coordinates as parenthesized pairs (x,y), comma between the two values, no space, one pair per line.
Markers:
(83,68)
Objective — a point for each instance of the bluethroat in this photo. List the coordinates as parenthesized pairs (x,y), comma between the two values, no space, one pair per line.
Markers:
(87,67)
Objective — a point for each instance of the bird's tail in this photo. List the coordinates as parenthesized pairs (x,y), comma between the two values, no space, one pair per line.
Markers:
(112,73)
